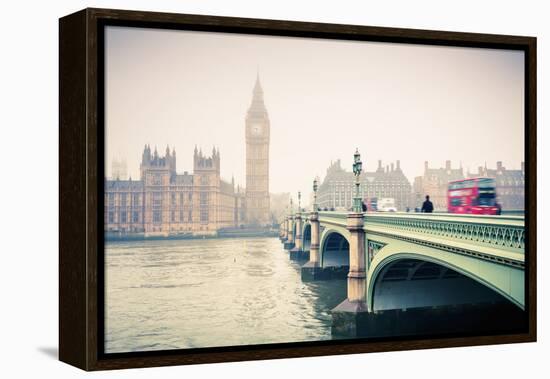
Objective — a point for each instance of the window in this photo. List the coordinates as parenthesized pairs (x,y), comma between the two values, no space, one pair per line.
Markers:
(456,202)
(204,207)
(486,183)
(173,199)
(156,180)
(486,198)
(123,217)
(173,216)
(135,200)
(157,199)
(157,216)
(123,199)
(181,216)
(111,218)
(111,199)
(135,217)
(204,215)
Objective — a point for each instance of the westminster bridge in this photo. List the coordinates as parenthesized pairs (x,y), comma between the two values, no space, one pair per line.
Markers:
(411,273)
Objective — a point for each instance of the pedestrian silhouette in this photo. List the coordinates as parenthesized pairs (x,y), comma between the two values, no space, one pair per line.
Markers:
(364,206)
(427,206)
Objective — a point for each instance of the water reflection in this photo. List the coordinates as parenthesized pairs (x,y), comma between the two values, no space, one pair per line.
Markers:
(216,292)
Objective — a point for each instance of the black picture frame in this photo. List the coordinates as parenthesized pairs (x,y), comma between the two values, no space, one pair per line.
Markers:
(81,165)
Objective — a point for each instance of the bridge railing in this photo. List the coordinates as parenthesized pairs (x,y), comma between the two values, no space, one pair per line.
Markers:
(506,232)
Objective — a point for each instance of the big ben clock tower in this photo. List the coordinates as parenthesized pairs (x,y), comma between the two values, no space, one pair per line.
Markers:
(257,160)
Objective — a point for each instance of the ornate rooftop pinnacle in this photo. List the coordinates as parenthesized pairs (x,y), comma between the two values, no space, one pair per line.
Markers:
(258,85)
(257,107)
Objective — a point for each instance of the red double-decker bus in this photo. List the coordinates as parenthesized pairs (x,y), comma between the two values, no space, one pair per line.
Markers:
(473,196)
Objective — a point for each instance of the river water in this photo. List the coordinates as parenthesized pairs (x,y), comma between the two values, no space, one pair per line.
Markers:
(174,294)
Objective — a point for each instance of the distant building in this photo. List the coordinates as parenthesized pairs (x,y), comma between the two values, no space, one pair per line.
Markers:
(510,185)
(164,203)
(119,169)
(434,183)
(279,203)
(338,187)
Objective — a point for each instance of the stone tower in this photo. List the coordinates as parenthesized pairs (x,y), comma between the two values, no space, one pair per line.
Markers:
(206,184)
(257,159)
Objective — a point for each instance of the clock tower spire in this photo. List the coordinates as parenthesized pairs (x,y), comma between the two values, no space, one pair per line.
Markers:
(257,159)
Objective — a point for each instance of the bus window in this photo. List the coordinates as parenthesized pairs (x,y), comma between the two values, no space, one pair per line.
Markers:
(486,183)
(456,202)
(488,200)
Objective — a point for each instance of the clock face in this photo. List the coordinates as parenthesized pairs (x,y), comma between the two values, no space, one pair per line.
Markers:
(256,129)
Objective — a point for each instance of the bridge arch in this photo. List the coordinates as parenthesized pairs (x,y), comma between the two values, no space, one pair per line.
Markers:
(334,248)
(405,262)
(306,236)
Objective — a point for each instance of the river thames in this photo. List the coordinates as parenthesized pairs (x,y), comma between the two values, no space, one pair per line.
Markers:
(176,294)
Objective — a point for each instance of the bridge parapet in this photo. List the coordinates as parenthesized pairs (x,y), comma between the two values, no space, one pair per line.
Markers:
(494,231)
(503,233)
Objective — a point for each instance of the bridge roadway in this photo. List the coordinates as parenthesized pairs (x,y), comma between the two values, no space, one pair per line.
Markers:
(411,260)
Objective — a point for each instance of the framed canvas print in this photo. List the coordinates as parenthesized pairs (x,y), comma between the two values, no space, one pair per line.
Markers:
(238,189)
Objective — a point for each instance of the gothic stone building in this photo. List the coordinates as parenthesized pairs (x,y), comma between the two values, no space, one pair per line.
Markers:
(338,187)
(164,203)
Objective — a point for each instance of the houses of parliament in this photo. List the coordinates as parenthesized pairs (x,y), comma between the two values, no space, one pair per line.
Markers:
(163,203)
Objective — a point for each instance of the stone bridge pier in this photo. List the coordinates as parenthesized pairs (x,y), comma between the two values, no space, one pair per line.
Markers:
(297,252)
(298,233)
(347,316)
(314,256)
(312,270)
(283,230)
(289,243)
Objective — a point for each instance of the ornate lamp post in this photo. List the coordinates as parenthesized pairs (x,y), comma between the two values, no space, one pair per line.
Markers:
(291,207)
(299,202)
(357,168)
(315,187)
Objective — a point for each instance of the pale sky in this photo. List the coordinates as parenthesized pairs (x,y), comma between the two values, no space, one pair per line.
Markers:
(324,98)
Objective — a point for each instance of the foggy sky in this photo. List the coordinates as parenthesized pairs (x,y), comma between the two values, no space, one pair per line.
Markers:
(325,98)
